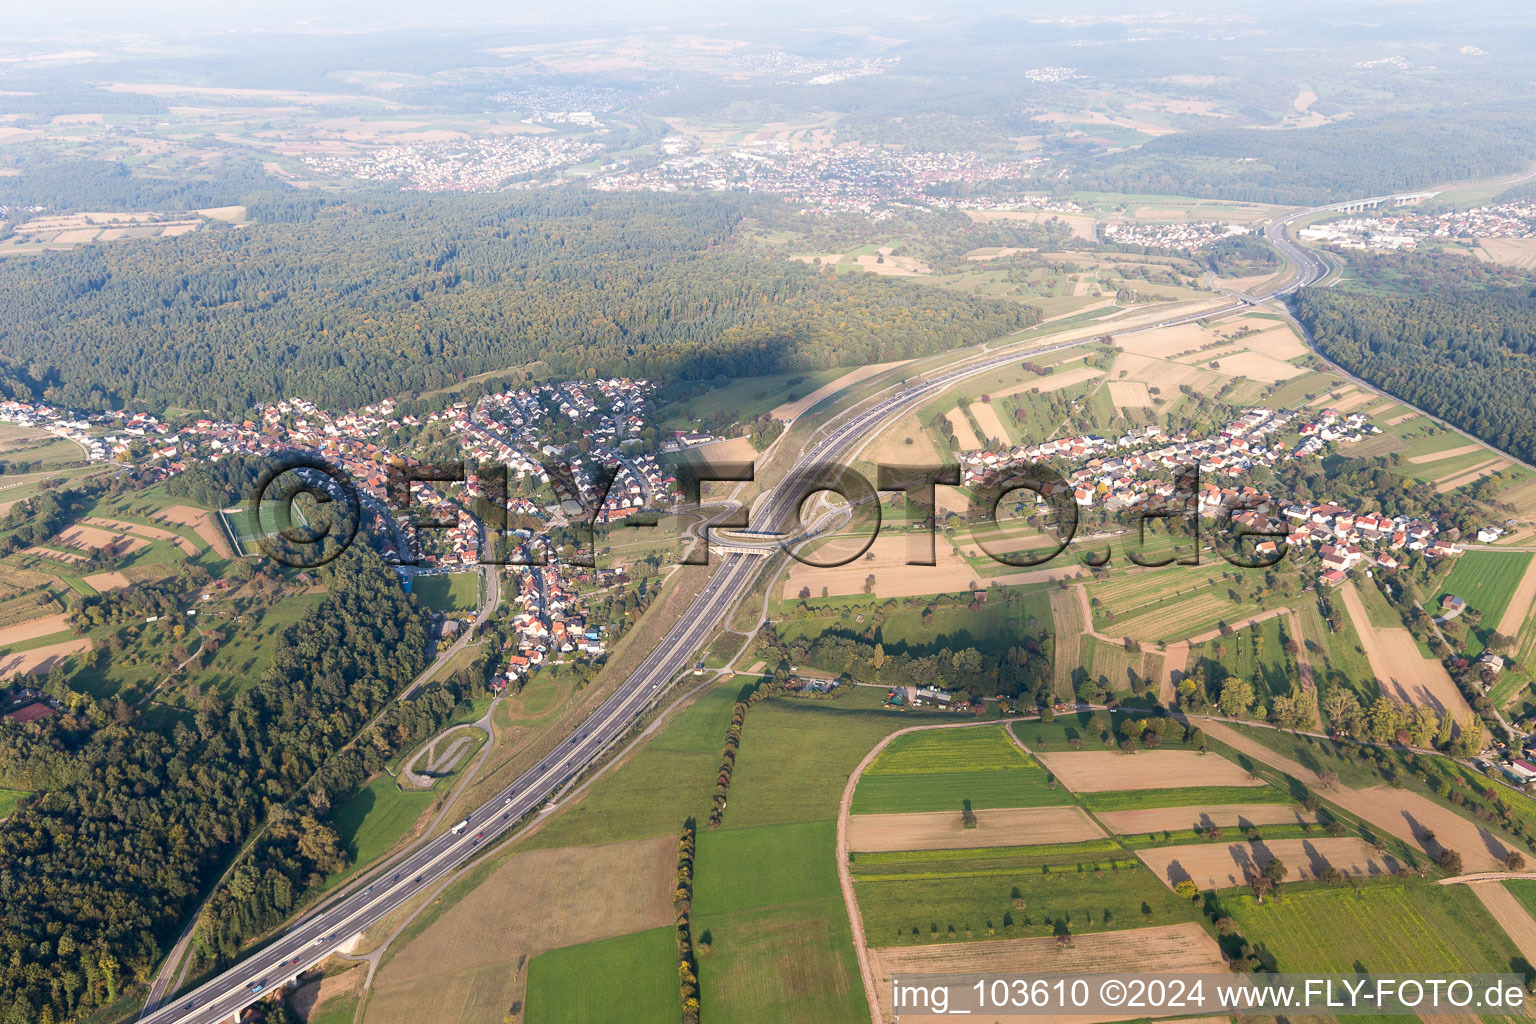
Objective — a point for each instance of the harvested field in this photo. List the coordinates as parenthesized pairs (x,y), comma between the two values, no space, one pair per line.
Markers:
(792,410)
(734,449)
(1476,473)
(1169,948)
(1330,397)
(1175,666)
(1515,252)
(891,448)
(1102,771)
(108,580)
(87,537)
(893,577)
(1403,418)
(991,425)
(1277,343)
(1449,453)
(1351,402)
(1054,382)
(1029,576)
(877,263)
(1129,393)
(460,968)
(1257,366)
(1164,374)
(1166,341)
(943,830)
(33,628)
(1401,812)
(202,523)
(1511,914)
(1400,670)
(1172,819)
(1207,355)
(147,532)
(1223,865)
(40,659)
(1519,608)
(964,435)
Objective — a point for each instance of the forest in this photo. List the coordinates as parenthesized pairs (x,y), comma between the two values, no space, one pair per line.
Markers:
(1309,167)
(348,301)
(100,868)
(1466,356)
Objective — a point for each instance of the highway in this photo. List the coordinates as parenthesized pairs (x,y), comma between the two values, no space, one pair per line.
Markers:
(314,938)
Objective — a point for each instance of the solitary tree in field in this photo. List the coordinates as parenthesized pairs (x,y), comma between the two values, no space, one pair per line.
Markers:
(1450,862)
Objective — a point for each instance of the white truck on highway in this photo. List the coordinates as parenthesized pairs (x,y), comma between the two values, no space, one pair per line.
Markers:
(461,826)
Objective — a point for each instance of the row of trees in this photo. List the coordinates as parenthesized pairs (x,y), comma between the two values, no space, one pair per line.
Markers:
(682,902)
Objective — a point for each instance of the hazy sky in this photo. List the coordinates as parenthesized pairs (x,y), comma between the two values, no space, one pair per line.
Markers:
(84,19)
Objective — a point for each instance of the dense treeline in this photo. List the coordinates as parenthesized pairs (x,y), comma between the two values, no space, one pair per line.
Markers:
(1240,255)
(219,484)
(36,519)
(349,302)
(100,869)
(1467,356)
(130,604)
(1021,670)
(74,184)
(289,863)
(1317,165)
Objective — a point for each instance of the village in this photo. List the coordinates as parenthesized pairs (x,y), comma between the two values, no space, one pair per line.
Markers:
(836,179)
(1405,229)
(1132,471)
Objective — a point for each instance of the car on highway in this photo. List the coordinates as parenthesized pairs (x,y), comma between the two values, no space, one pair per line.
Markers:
(258,986)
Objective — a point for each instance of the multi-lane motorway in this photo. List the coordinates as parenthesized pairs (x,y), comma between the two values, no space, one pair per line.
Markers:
(316,937)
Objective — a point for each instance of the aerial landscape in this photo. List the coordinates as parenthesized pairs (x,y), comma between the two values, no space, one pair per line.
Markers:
(801,515)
